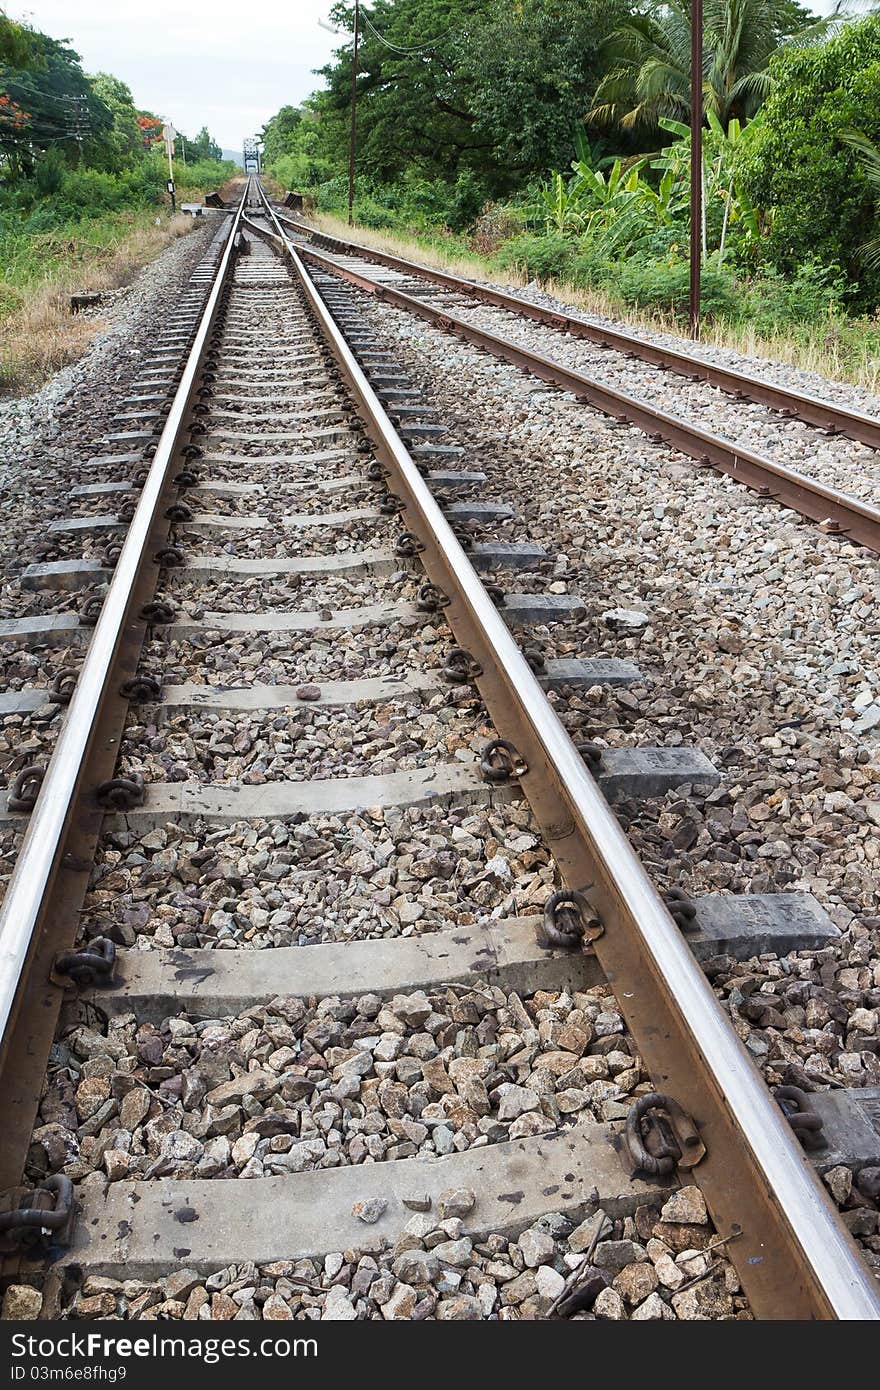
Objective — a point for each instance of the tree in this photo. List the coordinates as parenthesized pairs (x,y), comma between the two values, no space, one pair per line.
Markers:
(204,146)
(279,133)
(869,166)
(121,145)
(532,68)
(494,89)
(62,108)
(796,163)
(17,49)
(650,56)
(414,107)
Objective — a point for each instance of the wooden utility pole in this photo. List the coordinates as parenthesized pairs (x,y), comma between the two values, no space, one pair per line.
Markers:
(354,77)
(696,249)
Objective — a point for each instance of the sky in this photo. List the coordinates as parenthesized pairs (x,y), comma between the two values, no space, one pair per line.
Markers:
(227,64)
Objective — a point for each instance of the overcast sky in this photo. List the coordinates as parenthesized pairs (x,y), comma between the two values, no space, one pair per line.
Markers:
(227,64)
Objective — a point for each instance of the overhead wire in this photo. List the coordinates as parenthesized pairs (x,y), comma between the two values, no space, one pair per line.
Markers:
(398,48)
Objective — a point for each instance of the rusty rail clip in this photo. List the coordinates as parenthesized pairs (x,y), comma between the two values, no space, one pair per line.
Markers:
(659,1135)
(178,511)
(807,1125)
(169,557)
(90,610)
(90,965)
(592,755)
(431,597)
(460,667)
(682,909)
(26,788)
(158,611)
(408,544)
(63,685)
(34,1213)
(501,761)
(391,504)
(535,657)
(141,688)
(121,793)
(568,920)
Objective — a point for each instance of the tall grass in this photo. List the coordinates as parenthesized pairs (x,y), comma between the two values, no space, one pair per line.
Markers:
(84,230)
(38,333)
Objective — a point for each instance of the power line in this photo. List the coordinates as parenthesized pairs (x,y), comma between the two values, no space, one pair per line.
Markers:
(397,48)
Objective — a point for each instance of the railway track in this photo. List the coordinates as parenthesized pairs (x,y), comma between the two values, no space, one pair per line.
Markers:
(255,1024)
(439,297)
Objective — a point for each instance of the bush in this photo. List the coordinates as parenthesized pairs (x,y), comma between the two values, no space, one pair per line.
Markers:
(495,225)
(547,257)
(771,300)
(665,286)
(792,162)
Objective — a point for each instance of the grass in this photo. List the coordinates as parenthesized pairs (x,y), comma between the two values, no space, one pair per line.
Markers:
(38,333)
(839,349)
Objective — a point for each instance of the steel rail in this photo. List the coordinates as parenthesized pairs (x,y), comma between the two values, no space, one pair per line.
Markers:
(46,865)
(794,1256)
(814,410)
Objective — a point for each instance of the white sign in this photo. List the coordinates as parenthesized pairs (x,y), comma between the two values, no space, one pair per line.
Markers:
(168,135)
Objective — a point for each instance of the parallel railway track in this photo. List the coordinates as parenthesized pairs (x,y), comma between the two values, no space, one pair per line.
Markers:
(836,510)
(275,402)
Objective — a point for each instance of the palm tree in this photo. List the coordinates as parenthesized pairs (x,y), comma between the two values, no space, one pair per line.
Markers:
(650,56)
(869,164)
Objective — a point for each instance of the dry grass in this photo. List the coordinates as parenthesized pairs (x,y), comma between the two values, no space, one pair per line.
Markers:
(39,334)
(435,256)
(815,349)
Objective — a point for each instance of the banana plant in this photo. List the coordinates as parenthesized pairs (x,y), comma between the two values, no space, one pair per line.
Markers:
(559,206)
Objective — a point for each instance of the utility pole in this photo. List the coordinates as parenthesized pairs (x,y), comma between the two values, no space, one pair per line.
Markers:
(78,125)
(351,143)
(696,247)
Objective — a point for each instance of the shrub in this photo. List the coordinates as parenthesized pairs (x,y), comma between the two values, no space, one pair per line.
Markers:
(495,224)
(793,162)
(665,286)
(541,257)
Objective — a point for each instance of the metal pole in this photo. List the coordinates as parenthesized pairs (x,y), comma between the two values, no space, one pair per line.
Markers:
(170,148)
(696,250)
(354,75)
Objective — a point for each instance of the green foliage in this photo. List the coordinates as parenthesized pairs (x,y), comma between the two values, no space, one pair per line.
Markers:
(665,287)
(61,108)
(650,59)
(771,301)
(281,134)
(295,149)
(51,110)
(547,257)
(121,145)
(795,161)
(17,49)
(448,86)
